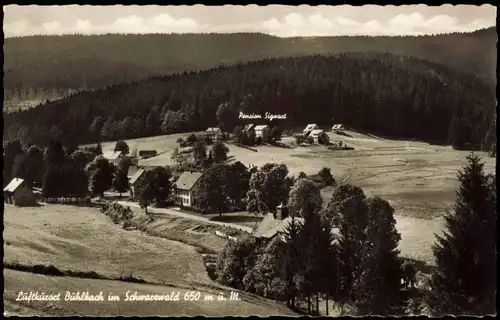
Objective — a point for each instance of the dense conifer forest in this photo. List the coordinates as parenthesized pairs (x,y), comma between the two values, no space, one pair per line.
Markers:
(390,95)
(40,67)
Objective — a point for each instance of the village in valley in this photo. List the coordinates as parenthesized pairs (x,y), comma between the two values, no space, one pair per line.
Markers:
(283,176)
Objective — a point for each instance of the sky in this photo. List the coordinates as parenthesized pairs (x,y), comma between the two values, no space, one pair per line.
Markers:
(278,20)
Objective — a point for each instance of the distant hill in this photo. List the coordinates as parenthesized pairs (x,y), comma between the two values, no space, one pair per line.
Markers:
(41,67)
(391,95)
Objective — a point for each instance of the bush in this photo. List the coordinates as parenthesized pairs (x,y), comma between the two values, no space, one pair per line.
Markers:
(326,176)
(191,139)
(117,213)
(310,140)
(299,138)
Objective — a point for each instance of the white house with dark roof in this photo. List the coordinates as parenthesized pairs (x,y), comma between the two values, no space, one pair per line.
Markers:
(309,128)
(134,182)
(185,188)
(18,193)
(262,131)
(338,128)
(316,134)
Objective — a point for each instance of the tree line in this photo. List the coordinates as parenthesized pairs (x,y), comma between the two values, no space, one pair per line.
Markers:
(346,251)
(393,96)
(63,63)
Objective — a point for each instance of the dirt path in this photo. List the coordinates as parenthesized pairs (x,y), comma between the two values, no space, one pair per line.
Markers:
(172,212)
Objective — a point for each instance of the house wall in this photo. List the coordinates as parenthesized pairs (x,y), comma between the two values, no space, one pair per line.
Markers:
(8,198)
(262,133)
(183,198)
(23,196)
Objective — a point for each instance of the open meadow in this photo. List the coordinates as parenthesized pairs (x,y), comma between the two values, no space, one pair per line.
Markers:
(84,240)
(419,179)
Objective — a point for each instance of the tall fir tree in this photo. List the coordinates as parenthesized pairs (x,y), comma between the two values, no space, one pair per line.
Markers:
(465,280)
(378,290)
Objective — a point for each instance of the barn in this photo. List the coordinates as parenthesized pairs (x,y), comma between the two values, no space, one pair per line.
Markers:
(18,193)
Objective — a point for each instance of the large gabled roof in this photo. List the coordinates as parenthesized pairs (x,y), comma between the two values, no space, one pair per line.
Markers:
(136,176)
(132,170)
(310,127)
(111,155)
(261,127)
(249,127)
(187,180)
(13,185)
(270,226)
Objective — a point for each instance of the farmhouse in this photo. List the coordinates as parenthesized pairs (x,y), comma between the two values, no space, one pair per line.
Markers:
(262,131)
(184,189)
(274,224)
(317,134)
(18,193)
(309,129)
(147,153)
(113,156)
(213,131)
(134,182)
(338,128)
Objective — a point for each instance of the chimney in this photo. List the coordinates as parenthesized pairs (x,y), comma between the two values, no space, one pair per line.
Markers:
(281,212)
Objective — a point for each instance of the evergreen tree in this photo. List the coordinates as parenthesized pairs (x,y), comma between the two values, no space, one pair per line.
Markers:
(326,176)
(98,149)
(100,172)
(219,152)
(378,290)
(348,215)
(211,196)
(304,198)
(292,258)
(199,152)
(146,195)
(11,150)
(120,181)
(465,280)
(122,147)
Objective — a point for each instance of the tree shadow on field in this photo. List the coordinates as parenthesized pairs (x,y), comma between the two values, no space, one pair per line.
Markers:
(340,133)
(280,145)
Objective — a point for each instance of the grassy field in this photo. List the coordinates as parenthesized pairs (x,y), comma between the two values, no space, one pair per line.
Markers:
(83,239)
(419,179)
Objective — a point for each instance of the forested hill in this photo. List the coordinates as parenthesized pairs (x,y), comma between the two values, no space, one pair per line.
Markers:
(385,94)
(49,66)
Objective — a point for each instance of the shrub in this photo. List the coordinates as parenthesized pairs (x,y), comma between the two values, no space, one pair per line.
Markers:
(117,213)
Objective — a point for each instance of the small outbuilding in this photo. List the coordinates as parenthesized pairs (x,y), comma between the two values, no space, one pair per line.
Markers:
(134,183)
(145,154)
(18,193)
(309,128)
(338,128)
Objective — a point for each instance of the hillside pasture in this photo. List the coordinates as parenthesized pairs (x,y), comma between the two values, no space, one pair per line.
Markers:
(83,239)
(419,179)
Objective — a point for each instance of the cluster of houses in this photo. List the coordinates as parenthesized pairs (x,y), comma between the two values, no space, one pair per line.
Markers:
(183,189)
(116,156)
(314,131)
(261,131)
